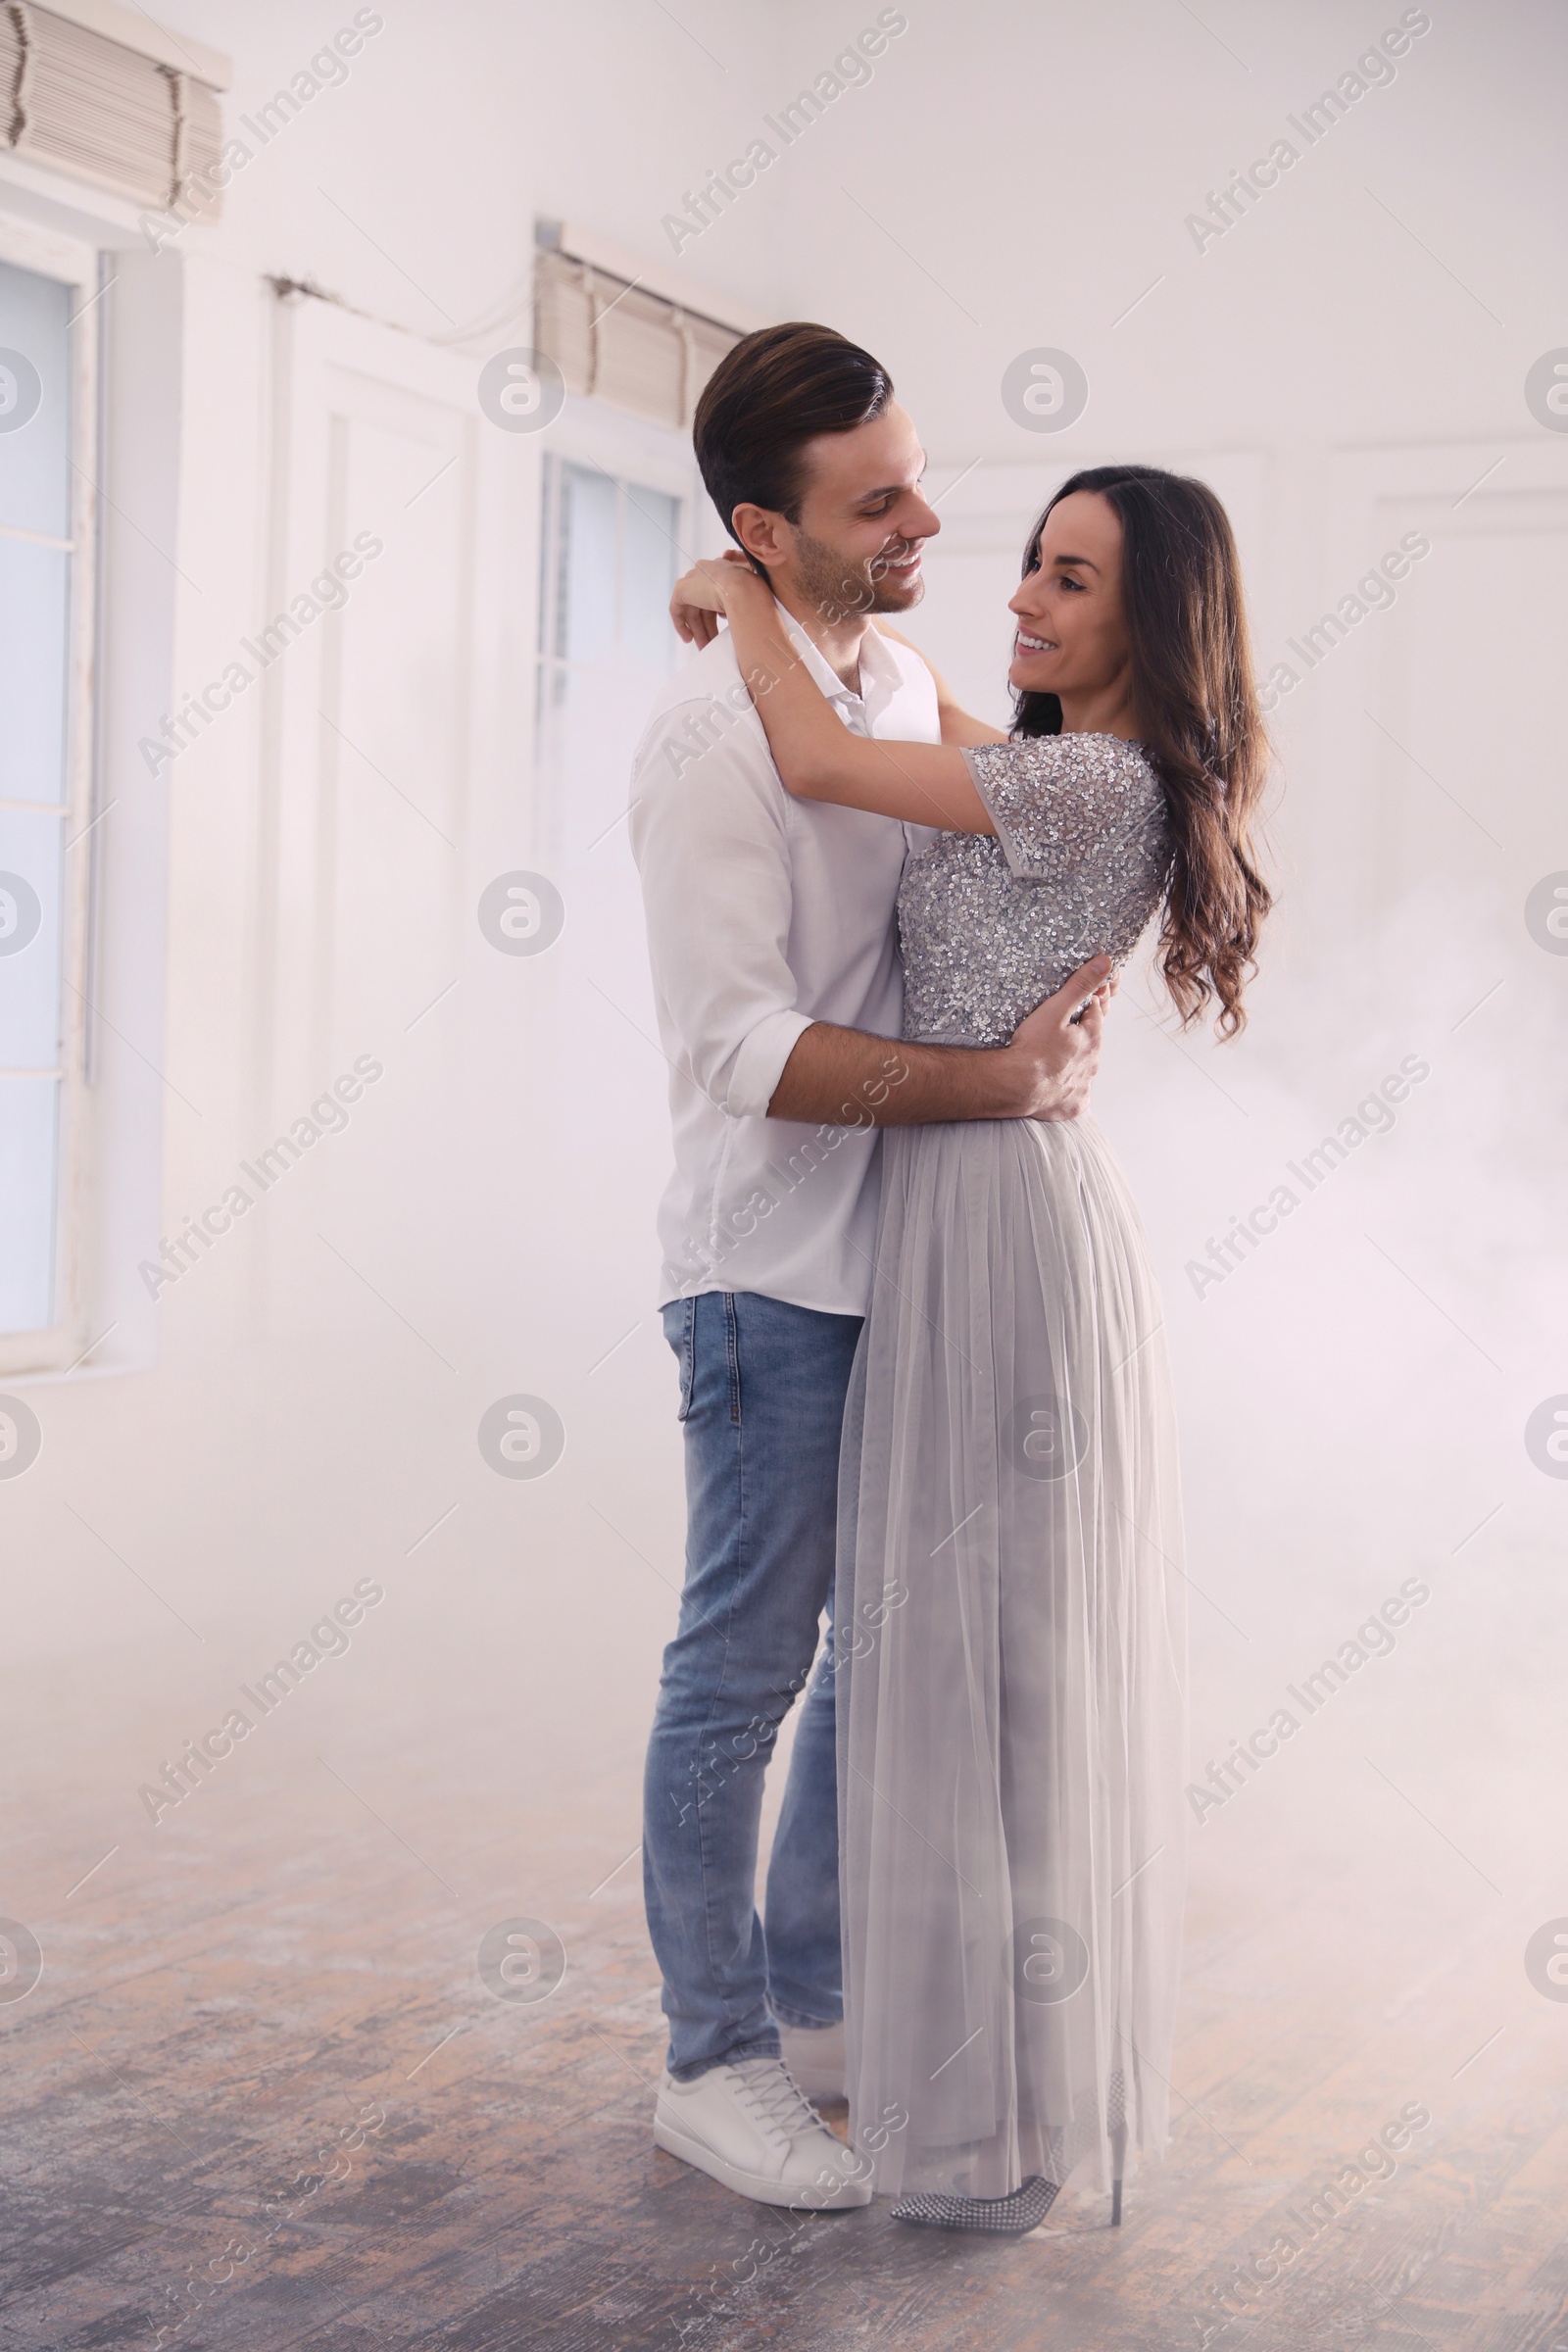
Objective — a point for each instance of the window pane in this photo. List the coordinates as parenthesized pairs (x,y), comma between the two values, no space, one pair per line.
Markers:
(586,599)
(34,403)
(36,506)
(604,638)
(34,621)
(30,940)
(28,1141)
(652,570)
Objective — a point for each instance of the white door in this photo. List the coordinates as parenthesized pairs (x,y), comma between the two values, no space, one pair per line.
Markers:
(398,668)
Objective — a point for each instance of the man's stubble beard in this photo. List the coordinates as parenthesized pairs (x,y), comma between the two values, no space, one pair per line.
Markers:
(837,592)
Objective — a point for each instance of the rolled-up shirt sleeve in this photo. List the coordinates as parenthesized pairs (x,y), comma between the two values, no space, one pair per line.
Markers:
(709,831)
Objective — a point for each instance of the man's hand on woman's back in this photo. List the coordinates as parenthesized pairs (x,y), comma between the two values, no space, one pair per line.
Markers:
(1056,1047)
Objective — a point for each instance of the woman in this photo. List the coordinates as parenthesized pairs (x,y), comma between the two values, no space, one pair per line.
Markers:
(1010,1747)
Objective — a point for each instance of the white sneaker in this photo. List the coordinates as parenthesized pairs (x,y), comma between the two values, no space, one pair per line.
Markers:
(748,2126)
(814,2056)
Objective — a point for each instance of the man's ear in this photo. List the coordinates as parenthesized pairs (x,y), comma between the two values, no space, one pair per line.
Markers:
(766,536)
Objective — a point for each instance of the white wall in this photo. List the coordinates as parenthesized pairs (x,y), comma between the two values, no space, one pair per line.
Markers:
(1346,361)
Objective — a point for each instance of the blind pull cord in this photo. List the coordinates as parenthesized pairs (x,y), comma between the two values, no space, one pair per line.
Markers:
(21,18)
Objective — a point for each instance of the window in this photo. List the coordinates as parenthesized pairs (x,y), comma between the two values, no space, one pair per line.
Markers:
(610,550)
(47,431)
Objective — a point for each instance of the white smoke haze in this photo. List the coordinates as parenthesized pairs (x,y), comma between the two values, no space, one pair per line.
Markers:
(1355,1399)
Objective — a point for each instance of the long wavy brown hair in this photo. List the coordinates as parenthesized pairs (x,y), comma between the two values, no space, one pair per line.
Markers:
(1194,706)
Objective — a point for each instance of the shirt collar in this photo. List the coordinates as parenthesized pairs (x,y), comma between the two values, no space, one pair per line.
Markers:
(880,674)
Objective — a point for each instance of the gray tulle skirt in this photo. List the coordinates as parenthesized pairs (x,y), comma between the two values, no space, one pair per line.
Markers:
(1010,1633)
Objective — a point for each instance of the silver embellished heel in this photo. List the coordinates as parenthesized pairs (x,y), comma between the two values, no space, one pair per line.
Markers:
(1010,2216)
(1028,2205)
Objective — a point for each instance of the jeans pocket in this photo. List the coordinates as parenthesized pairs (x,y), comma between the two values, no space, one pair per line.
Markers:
(680,1330)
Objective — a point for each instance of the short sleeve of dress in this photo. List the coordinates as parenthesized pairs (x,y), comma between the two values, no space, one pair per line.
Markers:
(1057,801)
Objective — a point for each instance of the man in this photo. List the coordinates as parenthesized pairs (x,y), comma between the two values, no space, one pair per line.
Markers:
(770,925)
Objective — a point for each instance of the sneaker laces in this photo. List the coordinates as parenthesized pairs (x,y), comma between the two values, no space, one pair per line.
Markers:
(777,2100)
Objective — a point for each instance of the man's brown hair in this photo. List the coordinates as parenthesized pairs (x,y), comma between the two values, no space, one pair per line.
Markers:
(774,392)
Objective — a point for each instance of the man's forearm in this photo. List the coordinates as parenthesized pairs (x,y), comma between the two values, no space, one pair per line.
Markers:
(844,1078)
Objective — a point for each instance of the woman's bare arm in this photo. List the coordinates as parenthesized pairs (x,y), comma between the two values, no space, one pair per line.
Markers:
(815,754)
(697,623)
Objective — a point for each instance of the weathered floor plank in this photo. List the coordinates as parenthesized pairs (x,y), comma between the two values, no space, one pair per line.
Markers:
(261,2099)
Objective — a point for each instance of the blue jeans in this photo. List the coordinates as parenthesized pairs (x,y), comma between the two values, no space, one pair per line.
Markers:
(763,1387)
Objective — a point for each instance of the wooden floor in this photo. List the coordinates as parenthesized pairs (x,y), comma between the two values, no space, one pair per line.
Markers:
(261,2098)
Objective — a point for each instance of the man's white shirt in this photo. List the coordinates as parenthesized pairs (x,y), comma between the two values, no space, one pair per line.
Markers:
(765,914)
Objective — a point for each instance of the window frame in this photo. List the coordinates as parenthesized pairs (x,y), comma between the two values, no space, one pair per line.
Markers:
(552,664)
(631,451)
(56,1347)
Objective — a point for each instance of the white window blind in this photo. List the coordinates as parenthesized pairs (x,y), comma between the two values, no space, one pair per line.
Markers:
(105,111)
(617,341)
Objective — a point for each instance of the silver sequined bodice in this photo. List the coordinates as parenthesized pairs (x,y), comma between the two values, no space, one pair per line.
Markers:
(990,924)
